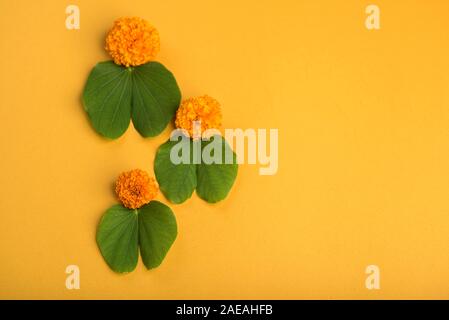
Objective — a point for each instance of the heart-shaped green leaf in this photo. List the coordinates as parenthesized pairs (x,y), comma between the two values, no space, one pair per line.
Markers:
(114,94)
(117,238)
(122,231)
(213,175)
(215,180)
(176,180)
(157,232)
(107,99)
(156,98)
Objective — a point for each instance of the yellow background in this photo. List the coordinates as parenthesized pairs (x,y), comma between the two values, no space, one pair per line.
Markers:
(363,176)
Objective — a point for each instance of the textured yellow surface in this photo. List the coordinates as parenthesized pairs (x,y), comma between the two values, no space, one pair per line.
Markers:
(363,119)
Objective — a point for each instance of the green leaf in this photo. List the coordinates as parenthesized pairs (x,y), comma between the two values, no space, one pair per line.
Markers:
(157,232)
(114,94)
(213,176)
(117,238)
(176,181)
(107,99)
(215,180)
(156,97)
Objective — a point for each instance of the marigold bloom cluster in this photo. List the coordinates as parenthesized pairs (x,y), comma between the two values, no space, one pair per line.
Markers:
(135,188)
(205,109)
(132,42)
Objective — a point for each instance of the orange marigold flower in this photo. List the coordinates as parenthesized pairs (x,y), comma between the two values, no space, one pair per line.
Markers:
(135,188)
(132,42)
(205,109)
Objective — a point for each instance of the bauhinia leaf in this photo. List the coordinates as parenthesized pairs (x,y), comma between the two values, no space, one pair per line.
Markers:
(117,238)
(176,180)
(213,175)
(156,98)
(215,180)
(122,231)
(107,99)
(114,94)
(157,232)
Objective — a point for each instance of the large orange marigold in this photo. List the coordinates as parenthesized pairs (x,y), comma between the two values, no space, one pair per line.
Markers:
(136,188)
(132,42)
(205,109)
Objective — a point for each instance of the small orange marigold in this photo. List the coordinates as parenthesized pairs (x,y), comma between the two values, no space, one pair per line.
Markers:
(132,42)
(205,109)
(135,188)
